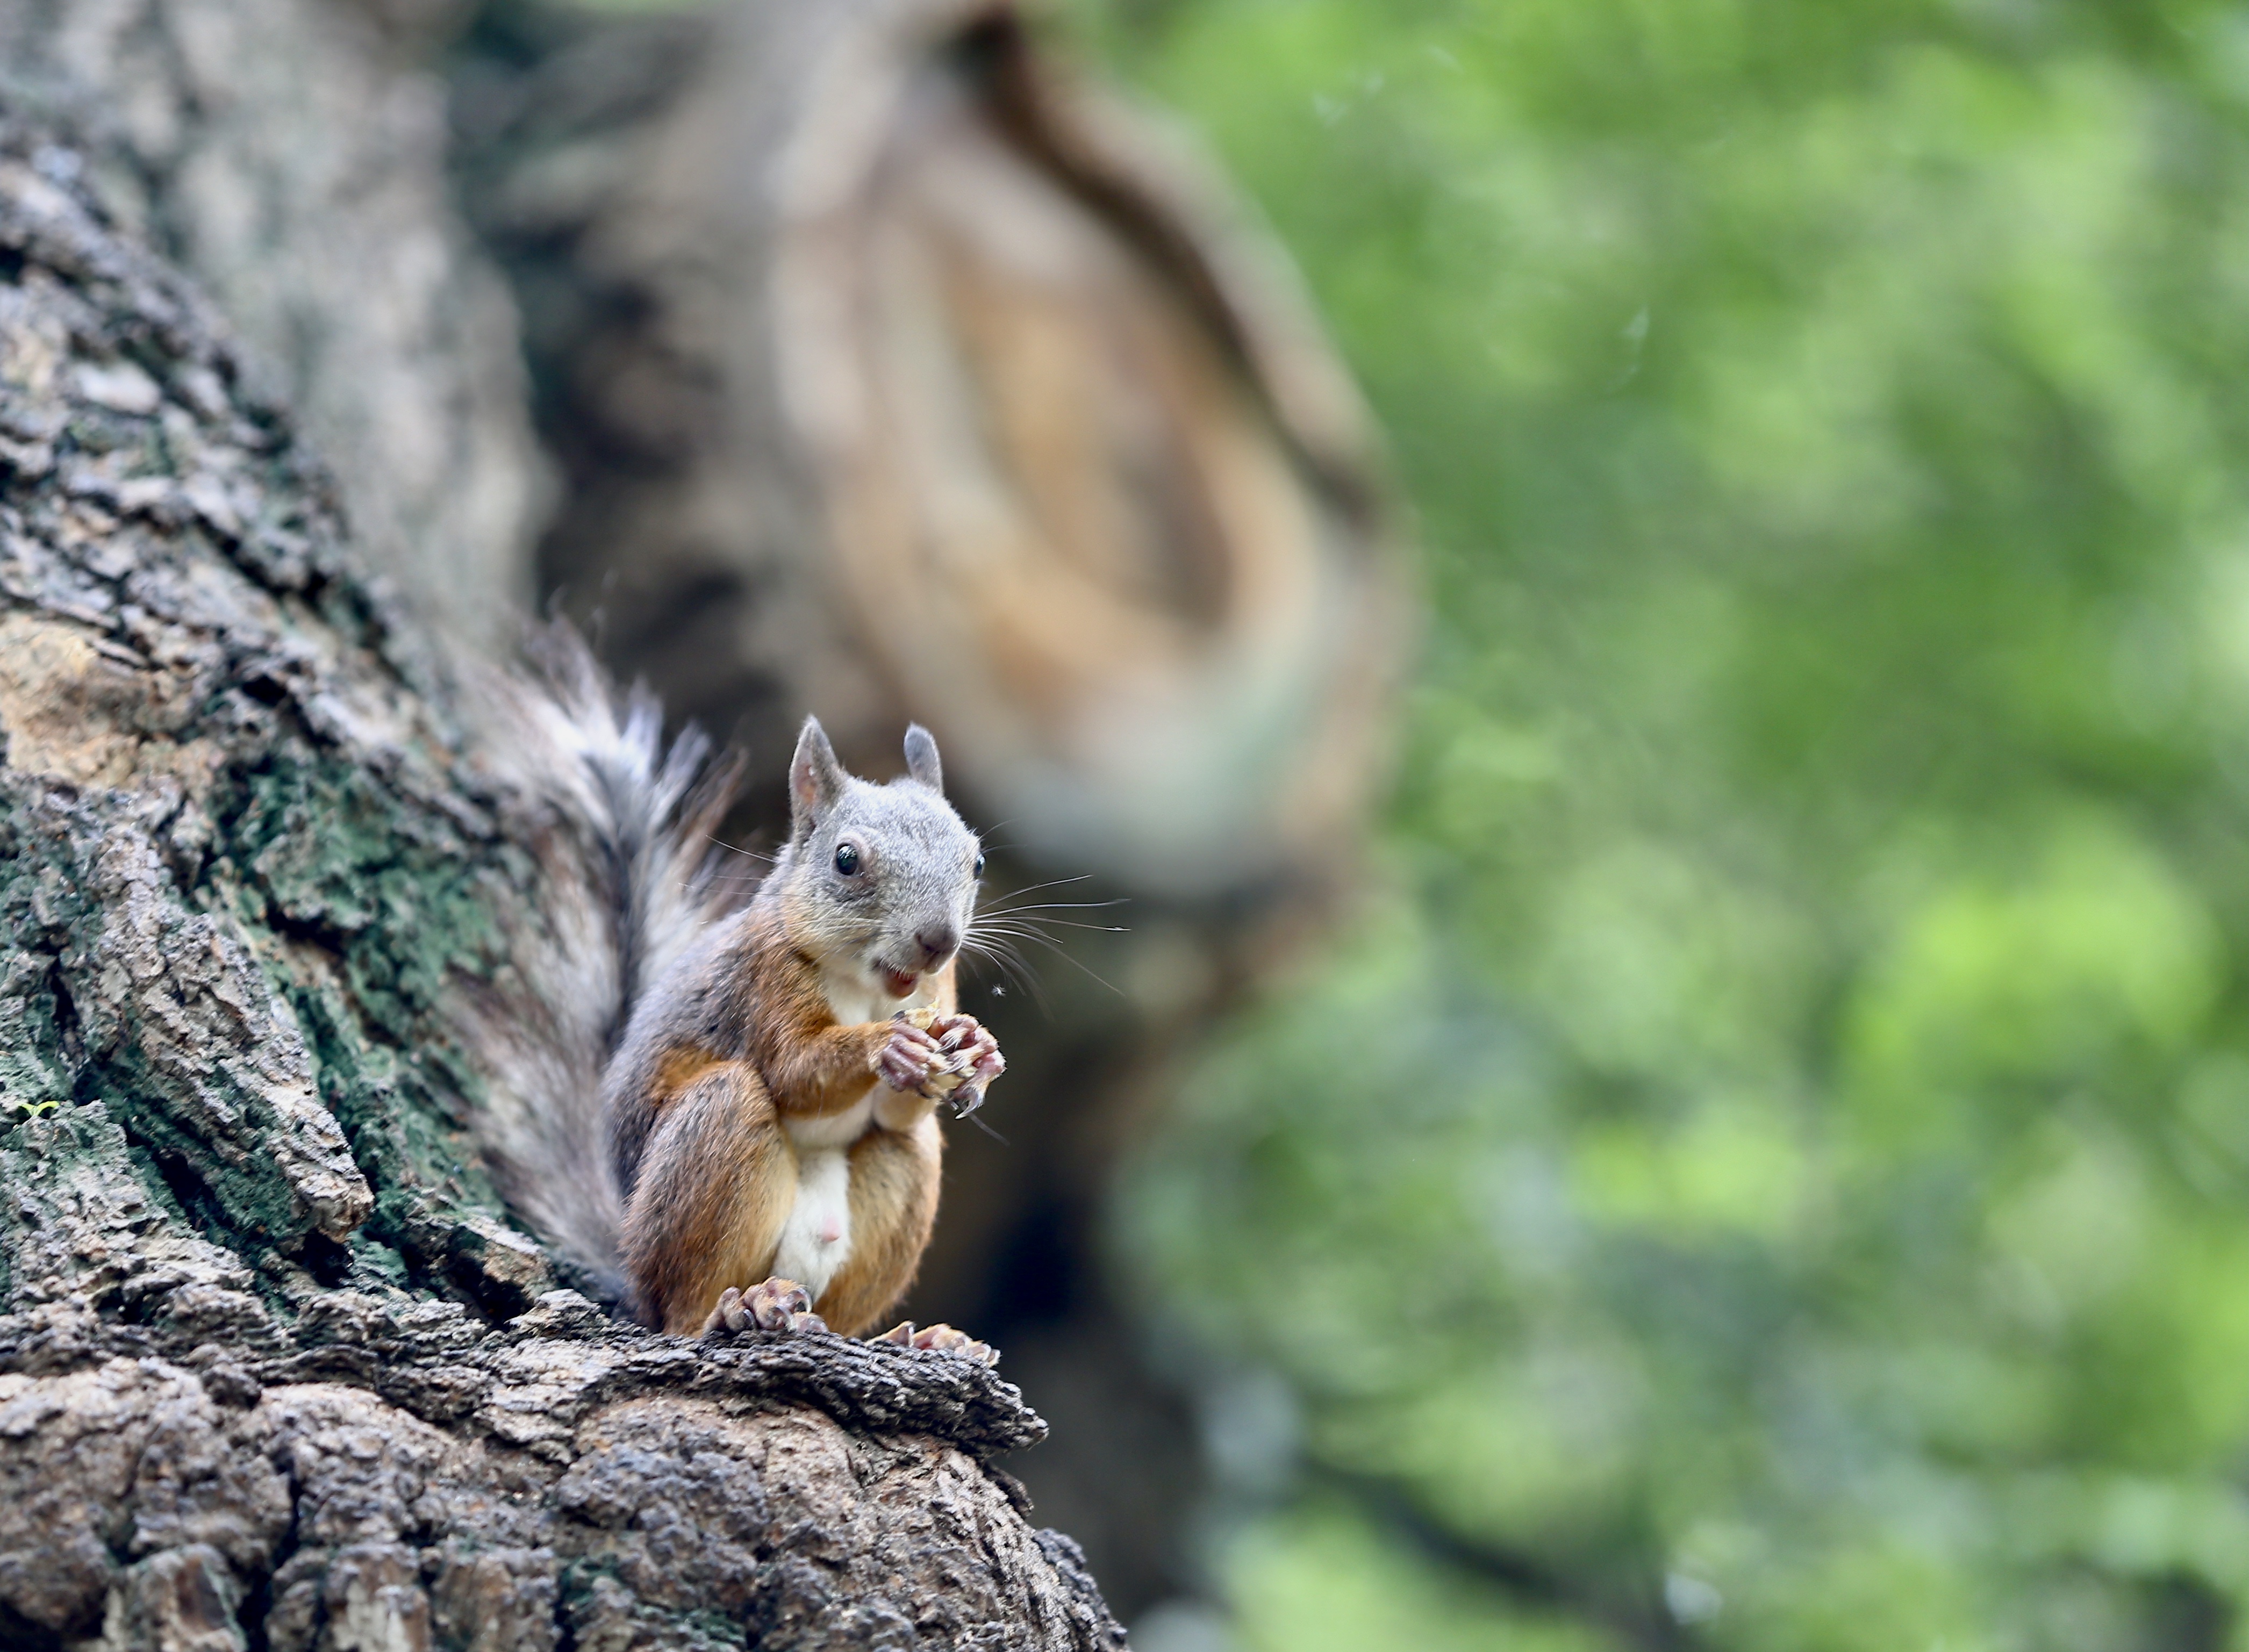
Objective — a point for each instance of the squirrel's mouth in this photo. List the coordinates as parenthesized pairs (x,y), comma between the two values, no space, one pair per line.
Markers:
(896,982)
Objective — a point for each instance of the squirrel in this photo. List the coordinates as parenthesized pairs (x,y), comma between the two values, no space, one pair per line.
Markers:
(724,1112)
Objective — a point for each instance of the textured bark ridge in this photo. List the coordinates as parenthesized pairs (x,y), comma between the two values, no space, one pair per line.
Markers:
(287,154)
(424,1481)
(275,1368)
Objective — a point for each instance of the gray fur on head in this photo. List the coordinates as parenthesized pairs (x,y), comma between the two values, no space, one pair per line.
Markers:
(883,876)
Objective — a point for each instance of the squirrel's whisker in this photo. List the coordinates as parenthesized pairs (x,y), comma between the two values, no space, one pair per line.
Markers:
(977,1120)
(735,848)
(1055,947)
(1051,883)
(1072,923)
(1055,906)
(1013,968)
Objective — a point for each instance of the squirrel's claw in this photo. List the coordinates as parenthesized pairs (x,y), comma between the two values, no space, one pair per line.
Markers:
(778,1305)
(940,1339)
(727,1315)
(985,1064)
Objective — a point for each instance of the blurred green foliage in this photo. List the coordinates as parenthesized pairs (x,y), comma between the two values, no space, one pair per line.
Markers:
(1769,1170)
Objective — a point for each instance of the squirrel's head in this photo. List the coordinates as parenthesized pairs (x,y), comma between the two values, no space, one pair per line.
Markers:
(880,879)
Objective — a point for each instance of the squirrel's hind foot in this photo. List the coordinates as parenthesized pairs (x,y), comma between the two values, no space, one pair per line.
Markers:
(778,1305)
(940,1339)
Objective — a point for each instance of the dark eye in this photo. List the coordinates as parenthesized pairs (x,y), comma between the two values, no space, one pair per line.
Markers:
(847,859)
(979,867)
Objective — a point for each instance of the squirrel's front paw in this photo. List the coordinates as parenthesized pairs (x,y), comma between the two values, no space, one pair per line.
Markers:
(940,1339)
(963,1058)
(910,1059)
(778,1305)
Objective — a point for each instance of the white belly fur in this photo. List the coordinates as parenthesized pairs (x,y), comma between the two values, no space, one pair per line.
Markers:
(815,1241)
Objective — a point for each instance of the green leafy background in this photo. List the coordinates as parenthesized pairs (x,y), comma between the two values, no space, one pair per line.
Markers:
(1767,1168)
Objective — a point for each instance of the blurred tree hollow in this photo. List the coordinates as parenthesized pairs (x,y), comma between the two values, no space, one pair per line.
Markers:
(893,369)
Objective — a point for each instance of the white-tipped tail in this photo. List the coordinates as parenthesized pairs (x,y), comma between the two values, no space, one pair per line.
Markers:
(620,828)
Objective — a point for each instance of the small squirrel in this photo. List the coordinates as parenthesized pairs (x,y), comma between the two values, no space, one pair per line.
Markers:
(726,1117)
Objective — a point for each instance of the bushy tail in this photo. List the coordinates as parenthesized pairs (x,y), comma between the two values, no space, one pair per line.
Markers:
(620,828)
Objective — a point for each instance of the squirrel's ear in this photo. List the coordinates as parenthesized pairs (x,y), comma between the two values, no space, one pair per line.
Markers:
(921,758)
(816,779)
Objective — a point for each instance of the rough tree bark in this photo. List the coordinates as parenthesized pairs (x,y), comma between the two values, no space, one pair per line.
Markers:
(289,154)
(275,1368)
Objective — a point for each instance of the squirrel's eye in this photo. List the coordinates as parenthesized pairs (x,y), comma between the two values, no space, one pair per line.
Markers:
(847,859)
(979,867)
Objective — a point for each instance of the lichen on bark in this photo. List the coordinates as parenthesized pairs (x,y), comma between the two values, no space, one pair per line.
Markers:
(275,1367)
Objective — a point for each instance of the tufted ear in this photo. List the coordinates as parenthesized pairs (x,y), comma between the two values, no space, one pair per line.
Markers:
(816,778)
(921,758)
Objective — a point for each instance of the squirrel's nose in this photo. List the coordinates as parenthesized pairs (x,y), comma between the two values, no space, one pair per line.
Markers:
(937,944)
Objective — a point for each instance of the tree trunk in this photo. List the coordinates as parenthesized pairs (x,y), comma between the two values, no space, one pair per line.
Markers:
(274,1369)
(289,156)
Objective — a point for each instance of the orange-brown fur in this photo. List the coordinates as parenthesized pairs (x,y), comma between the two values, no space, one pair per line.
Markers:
(679,1069)
(713,1192)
